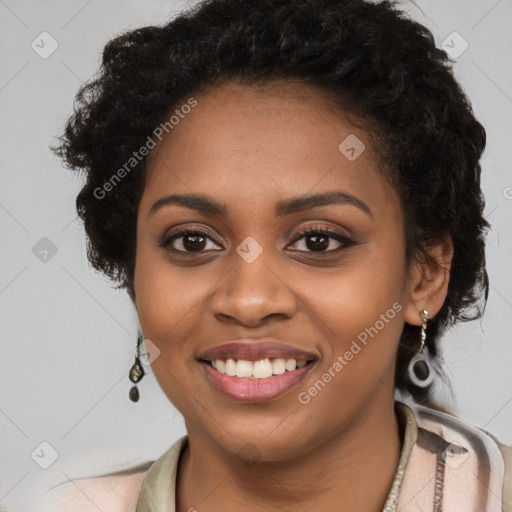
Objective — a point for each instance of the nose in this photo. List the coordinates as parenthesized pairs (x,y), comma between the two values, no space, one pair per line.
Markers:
(251,293)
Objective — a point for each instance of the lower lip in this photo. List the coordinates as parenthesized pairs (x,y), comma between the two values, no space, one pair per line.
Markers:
(255,390)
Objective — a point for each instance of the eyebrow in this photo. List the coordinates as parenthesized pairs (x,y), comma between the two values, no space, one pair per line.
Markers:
(210,206)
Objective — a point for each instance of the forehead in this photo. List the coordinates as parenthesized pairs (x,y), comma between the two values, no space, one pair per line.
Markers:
(261,143)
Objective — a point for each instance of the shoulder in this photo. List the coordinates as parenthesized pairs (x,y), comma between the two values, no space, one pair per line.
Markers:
(494,459)
(116,492)
(506,451)
(120,491)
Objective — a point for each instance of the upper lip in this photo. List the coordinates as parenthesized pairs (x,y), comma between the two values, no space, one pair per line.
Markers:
(251,350)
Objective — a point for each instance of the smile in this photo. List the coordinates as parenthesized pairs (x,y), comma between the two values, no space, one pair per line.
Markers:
(255,370)
(255,381)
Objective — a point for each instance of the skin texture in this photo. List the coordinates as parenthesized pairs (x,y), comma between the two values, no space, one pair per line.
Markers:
(248,148)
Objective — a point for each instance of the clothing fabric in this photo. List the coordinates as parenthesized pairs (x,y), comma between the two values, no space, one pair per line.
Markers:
(445,465)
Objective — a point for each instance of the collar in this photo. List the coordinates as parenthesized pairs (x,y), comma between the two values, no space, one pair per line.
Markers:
(435,446)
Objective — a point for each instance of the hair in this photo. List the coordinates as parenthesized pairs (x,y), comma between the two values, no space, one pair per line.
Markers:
(370,59)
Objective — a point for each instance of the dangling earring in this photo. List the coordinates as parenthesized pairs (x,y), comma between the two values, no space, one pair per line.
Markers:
(420,372)
(136,371)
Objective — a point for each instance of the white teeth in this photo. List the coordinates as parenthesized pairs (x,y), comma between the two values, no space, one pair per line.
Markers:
(262,369)
(230,367)
(291,364)
(256,369)
(220,365)
(244,368)
(278,366)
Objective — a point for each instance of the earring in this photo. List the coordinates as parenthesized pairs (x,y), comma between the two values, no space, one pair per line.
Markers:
(420,372)
(136,371)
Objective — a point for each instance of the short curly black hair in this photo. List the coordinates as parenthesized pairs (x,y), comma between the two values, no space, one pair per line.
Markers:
(370,58)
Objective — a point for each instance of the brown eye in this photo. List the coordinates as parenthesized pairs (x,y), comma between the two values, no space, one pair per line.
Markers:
(190,240)
(318,240)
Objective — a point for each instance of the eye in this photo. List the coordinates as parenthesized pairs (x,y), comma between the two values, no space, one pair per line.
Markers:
(190,240)
(317,239)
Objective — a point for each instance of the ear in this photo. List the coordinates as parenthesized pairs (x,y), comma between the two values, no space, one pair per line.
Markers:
(427,283)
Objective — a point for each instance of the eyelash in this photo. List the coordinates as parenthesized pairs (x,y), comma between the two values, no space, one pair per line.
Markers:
(310,231)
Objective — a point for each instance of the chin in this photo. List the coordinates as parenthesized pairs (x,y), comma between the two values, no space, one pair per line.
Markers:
(269,442)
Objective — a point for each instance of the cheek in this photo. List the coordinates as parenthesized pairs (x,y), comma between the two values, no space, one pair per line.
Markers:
(362,302)
(165,307)
(161,297)
(172,307)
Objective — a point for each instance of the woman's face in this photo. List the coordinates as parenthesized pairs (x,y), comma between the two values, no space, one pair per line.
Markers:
(261,156)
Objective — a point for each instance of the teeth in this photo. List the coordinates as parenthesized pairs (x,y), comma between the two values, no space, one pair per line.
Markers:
(278,366)
(243,368)
(256,369)
(220,365)
(262,369)
(230,367)
(290,365)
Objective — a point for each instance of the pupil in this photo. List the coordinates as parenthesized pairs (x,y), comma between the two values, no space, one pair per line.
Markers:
(317,245)
(195,245)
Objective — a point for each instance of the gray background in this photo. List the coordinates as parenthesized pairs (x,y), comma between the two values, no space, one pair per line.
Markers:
(67,336)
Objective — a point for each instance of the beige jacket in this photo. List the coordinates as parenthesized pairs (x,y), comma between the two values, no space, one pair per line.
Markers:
(446,465)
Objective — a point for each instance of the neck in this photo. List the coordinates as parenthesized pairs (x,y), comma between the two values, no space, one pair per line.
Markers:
(351,470)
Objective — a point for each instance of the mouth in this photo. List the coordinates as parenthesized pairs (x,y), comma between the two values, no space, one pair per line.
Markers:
(255,372)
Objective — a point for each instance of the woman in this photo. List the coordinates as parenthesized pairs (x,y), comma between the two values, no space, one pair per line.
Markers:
(290,193)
